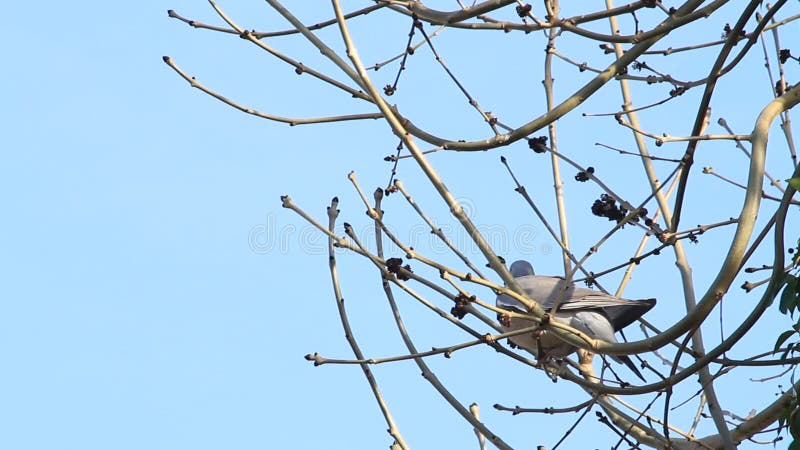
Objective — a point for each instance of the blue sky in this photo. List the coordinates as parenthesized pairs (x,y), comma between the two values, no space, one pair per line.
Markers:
(157,296)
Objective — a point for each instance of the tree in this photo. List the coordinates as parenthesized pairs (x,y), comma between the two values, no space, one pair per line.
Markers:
(671,65)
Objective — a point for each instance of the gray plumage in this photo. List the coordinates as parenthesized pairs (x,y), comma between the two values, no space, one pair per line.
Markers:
(595,313)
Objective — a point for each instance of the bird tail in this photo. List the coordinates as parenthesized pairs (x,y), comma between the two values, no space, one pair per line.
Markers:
(624,359)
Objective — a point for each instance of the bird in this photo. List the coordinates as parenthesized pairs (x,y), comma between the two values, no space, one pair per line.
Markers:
(594,313)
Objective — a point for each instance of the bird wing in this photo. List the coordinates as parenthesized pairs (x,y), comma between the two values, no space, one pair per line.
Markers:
(622,316)
(595,313)
(548,290)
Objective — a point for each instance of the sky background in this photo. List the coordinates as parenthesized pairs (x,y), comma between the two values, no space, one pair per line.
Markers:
(156,295)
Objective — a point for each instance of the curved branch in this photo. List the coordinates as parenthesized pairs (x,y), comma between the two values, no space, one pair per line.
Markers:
(681,17)
(448,18)
(714,75)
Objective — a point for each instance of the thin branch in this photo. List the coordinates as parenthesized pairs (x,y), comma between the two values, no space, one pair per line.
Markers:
(773,181)
(289,120)
(714,74)
(333,213)
(299,67)
(436,231)
(320,360)
(268,34)
(671,50)
(685,14)
(625,152)
(475,410)
(474,103)
(551,410)
(764,195)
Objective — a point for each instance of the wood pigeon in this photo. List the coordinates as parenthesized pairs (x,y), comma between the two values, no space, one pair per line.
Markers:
(595,313)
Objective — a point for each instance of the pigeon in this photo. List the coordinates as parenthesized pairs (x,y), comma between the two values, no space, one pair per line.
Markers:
(595,313)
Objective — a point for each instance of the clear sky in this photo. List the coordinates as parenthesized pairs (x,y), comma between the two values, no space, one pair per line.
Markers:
(155,295)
